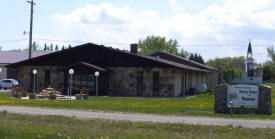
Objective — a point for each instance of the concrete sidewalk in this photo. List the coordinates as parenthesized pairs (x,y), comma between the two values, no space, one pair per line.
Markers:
(140,117)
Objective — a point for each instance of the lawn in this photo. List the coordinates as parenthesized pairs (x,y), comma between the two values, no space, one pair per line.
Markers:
(55,127)
(200,105)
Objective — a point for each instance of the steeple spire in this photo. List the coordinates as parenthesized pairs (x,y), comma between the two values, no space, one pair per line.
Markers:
(249,48)
(249,61)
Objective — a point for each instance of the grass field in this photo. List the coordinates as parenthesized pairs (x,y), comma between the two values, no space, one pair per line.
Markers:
(200,105)
(54,127)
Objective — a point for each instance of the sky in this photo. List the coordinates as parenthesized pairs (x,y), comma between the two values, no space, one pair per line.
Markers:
(212,28)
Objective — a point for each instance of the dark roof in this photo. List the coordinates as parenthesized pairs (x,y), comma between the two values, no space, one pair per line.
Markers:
(101,56)
(249,48)
(181,60)
(9,57)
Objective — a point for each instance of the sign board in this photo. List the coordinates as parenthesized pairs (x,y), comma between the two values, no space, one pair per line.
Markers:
(243,95)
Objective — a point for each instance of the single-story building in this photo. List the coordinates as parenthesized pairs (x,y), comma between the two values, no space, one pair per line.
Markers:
(122,73)
(10,57)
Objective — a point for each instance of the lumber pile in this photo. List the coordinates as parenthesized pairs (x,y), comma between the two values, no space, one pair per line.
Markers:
(45,94)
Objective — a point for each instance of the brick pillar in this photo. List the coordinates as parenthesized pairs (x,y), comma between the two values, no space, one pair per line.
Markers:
(220,105)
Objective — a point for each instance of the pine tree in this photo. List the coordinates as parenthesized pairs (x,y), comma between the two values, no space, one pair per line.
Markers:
(45,47)
(70,46)
(196,57)
(191,56)
(63,47)
(51,47)
(56,48)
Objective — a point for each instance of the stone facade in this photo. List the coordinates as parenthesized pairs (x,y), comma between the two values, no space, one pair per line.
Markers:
(264,102)
(122,81)
(25,78)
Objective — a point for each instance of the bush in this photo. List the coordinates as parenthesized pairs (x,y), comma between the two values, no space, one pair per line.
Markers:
(32,96)
(52,97)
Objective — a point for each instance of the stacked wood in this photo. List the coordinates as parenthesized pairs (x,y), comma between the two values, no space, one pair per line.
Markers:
(45,94)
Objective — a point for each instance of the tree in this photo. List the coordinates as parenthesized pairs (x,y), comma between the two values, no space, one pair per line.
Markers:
(269,66)
(56,48)
(226,65)
(45,47)
(69,46)
(197,58)
(154,44)
(51,47)
(63,47)
(191,56)
(183,53)
(35,46)
(200,59)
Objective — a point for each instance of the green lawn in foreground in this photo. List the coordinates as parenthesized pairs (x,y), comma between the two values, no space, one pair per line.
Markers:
(55,127)
(200,105)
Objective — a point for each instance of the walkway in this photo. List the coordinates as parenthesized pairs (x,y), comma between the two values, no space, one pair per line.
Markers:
(140,117)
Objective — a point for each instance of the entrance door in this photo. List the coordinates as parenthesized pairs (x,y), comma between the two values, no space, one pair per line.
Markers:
(139,83)
(47,81)
(155,83)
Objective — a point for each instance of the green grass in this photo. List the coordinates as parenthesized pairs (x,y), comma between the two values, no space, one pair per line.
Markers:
(13,126)
(200,105)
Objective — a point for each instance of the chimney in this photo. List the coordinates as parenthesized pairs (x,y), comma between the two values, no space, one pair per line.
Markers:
(134,48)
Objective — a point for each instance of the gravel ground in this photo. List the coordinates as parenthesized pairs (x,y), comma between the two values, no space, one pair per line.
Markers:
(140,117)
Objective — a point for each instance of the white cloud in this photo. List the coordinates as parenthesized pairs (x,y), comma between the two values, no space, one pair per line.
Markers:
(226,22)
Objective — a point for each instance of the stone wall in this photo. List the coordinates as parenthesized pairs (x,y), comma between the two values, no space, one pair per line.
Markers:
(123,81)
(25,78)
(264,102)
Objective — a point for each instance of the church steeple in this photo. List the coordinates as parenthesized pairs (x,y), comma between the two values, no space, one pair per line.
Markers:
(249,48)
(249,61)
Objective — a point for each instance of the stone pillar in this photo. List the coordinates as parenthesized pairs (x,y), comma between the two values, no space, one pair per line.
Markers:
(220,105)
(264,100)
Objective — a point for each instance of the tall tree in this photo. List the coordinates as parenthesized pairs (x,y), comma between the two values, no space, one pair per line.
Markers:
(226,65)
(191,56)
(183,53)
(45,47)
(56,48)
(35,46)
(69,46)
(269,66)
(51,47)
(63,47)
(154,44)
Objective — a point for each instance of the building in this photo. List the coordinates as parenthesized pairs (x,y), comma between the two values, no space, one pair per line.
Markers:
(122,73)
(9,57)
(250,73)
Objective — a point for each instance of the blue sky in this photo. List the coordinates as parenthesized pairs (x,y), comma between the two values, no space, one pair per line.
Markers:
(212,28)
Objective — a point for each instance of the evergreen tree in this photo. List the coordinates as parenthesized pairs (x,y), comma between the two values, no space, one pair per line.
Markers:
(35,46)
(191,56)
(45,47)
(56,48)
(70,46)
(51,47)
(63,47)
(196,57)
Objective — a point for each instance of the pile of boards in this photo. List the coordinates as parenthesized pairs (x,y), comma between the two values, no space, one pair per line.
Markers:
(45,94)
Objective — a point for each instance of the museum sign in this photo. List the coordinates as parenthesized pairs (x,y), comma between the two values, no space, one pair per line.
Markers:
(243,95)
